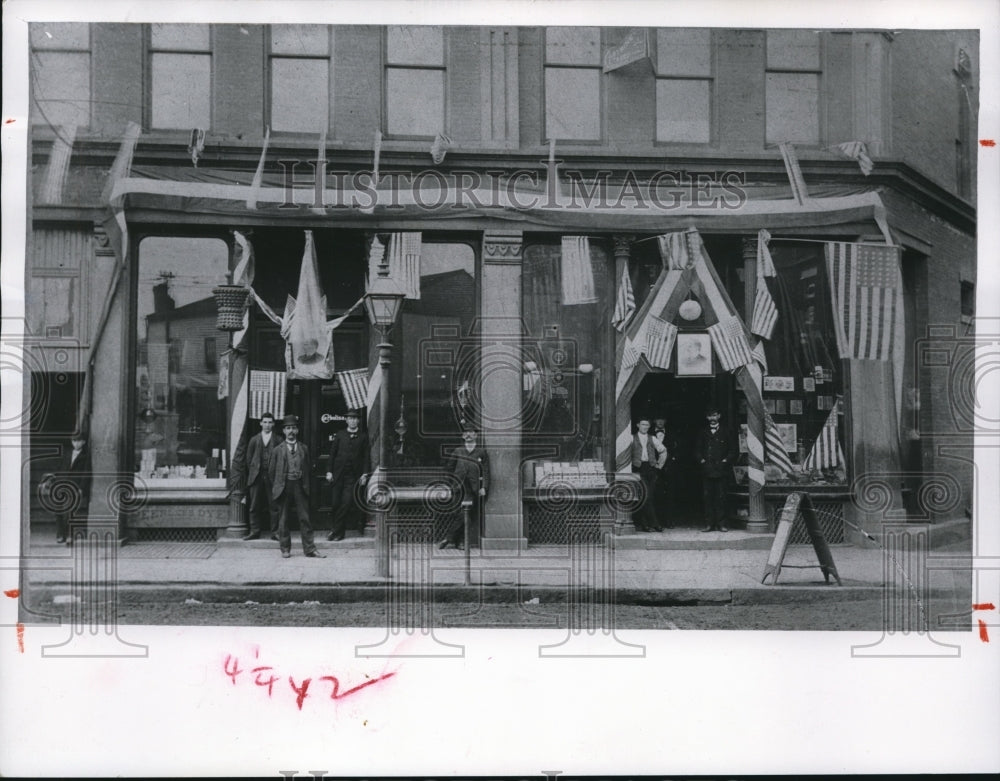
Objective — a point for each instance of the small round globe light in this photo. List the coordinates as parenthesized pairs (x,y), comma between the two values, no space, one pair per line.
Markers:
(690,310)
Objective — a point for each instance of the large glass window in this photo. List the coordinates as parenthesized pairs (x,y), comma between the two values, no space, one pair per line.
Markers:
(180,76)
(181,420)
(792,86)
(684,86)
(300,77)
(415,80)
(60,74)
(565,364)
(573,83)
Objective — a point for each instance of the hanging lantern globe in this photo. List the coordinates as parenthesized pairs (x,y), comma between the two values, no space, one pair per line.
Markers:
(230,301)
(690,310)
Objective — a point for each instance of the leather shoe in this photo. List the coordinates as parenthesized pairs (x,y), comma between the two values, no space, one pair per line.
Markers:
(315,555)
(251,536)
(443,544)
(335,537)
(275,538)
(724,529)
(286,554)
(60,539)
(460,545)
(709,529)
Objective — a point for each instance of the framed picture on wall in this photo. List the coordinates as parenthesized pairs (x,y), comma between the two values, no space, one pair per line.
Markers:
(694,355)
(789,433)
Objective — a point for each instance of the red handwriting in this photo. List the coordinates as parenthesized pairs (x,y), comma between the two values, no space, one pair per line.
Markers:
(13,593)
(987,142)
(264,677)
(983,634)
(20,637)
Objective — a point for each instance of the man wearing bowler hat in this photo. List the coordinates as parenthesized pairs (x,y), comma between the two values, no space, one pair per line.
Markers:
(345,468)
(289,473)
(714,452)
(471,467)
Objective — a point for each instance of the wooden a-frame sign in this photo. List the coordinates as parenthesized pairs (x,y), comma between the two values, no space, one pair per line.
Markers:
(798,505)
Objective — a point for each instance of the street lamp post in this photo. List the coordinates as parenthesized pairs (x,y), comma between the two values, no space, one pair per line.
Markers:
(383,302)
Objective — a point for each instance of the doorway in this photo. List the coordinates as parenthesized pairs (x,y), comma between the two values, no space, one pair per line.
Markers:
(682,403)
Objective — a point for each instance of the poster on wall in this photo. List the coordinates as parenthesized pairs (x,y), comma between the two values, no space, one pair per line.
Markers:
(694,355)
(789,433)
(781,384)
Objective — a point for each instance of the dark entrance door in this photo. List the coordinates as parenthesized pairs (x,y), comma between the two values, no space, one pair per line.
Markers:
(682,401)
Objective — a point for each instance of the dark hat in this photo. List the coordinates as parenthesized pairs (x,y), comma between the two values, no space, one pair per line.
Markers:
(290,420)
(78,434)
(711,411)
(353,413)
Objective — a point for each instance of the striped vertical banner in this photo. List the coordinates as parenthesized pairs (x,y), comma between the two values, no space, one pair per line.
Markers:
(776,453)
(755,433)
(624,302)
(372,403)
(238,365)
(354,386)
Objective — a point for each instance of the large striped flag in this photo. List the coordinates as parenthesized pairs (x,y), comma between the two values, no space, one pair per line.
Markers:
(577,271)
(267,393)
(776,453)
(826,452)
(624,302)
(404,262)
(866,288)
(354,386)
(660,338)
(730,343)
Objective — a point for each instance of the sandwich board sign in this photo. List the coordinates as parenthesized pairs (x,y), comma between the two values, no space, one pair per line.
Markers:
(799,505)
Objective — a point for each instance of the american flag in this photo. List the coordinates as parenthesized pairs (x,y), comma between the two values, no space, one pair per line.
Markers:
(776,453)
(404,262)
(866,288)
(660,338)
(826,452)
(624,303)
(630,357)
(765,263)
(858,152)
(354,386)
(798,184)
(577,271)
(267,393)
(765,313)
(674,251)
(730,343)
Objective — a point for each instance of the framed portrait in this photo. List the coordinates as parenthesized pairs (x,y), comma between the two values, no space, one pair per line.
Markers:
(780,407)
(809,384)
(789,433)
(795,406)
(694,355)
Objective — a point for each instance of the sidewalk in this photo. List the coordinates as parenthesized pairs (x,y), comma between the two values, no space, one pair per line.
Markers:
(680,566)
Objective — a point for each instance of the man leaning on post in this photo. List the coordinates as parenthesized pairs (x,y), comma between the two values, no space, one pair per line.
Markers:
(290,484)
(263,509)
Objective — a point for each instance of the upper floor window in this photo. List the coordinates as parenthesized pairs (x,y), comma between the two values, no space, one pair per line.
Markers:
(573,83)
(181,76)
(684,86)
(60,73)
(415,81)
(792,86)
(300,77)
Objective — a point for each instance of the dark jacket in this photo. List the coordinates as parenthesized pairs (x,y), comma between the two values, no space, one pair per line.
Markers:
(279,468)
(78,473)
(471,468)
(259,456)
(349,457)
(716,451)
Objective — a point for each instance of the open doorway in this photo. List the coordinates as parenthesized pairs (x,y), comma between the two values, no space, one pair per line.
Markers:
(682,403)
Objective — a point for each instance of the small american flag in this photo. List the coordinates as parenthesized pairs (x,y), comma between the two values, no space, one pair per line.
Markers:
(866,288)
(765,313)
(630,357)
(674,251)
(577,271)
(798,184)
(858,152)
(730,343)
(404,262)
(660,338)
(354,386)
(776,453)
(267,393)
(826,453)
(624,303)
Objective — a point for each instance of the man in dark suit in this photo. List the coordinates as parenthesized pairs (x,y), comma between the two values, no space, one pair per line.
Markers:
(74,471)
(260,451)
(345,468)
(471,467)
(714,452)
(648,457)
(289,477)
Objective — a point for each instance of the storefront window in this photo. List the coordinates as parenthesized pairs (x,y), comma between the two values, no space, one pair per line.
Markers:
(564,357)
(181,424)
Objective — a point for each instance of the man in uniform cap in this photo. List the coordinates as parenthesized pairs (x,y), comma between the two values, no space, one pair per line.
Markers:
(346,466)
(290,484)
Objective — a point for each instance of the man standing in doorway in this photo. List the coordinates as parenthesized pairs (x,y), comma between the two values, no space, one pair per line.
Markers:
(648,457)
(290,484)
(471,467)
(345,468)
(714,453)
(74,472)
(263,509)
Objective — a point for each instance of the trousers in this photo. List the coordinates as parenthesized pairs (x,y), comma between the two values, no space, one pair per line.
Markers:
(294,494)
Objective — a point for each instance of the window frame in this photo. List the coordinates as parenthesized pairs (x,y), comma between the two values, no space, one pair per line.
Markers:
(387,66)
(150,51)
(710,79)
(270,56)
(819,70)
(40,121)
(601,91)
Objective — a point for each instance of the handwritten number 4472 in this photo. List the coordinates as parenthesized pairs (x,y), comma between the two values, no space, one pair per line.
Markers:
(264,677)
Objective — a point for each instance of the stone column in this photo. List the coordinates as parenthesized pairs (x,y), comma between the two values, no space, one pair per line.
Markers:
(757,511)
(502,387)
(622,419)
